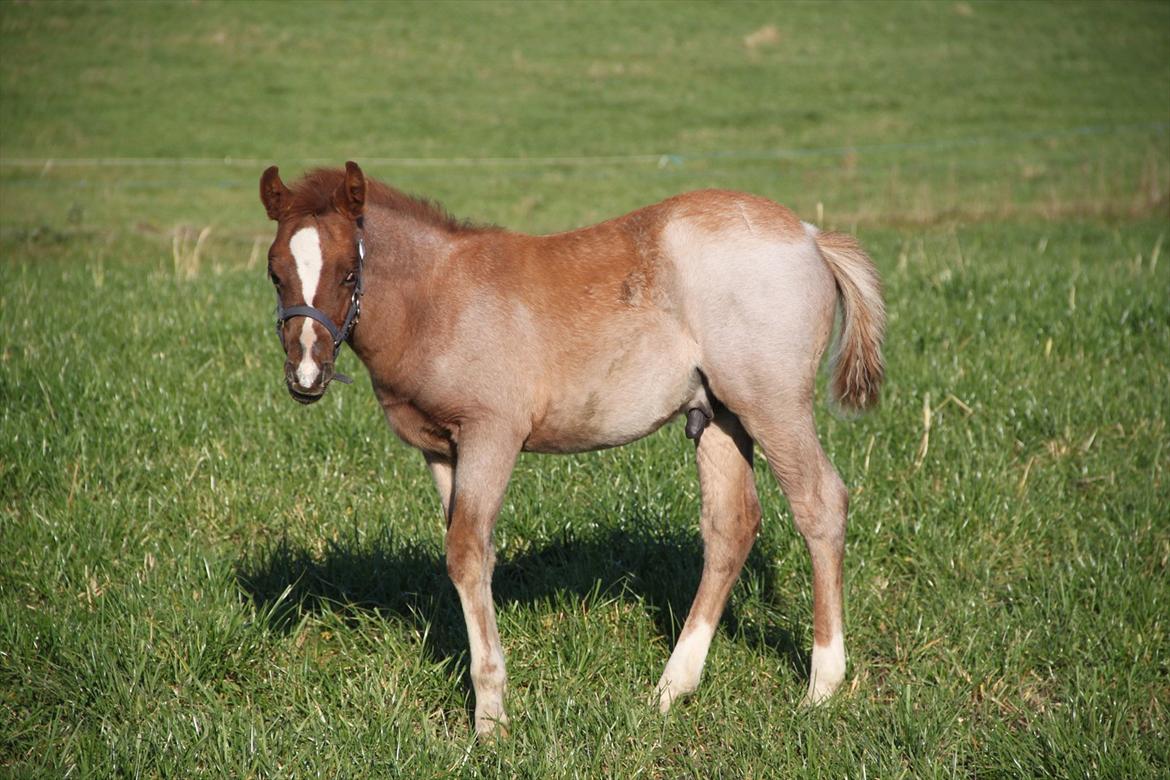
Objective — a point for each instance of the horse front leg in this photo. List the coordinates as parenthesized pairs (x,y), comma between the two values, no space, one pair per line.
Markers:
(443,473)
(483,464)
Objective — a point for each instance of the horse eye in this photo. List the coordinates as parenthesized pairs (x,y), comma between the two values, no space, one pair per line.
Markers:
(350,278)
(272,276)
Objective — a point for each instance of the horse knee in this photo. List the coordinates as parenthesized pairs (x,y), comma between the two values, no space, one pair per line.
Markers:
(469,558)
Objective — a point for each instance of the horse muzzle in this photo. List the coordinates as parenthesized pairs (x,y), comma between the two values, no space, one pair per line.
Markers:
(312,393)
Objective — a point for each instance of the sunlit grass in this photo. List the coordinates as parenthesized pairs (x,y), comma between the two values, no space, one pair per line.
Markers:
(208,575)
(203,578)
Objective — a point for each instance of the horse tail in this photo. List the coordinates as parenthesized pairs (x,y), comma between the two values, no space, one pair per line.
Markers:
(857,365)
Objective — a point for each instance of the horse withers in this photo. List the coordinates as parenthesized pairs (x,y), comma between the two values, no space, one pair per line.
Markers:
(481,342)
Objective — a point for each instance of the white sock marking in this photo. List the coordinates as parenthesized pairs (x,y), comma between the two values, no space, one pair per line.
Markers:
(305,246)
(685,666)
(828,669)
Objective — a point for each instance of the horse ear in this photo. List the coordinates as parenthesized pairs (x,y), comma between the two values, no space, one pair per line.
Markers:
(273,194)
(350,198)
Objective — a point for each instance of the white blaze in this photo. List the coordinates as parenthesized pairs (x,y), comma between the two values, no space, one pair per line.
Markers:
(305,246)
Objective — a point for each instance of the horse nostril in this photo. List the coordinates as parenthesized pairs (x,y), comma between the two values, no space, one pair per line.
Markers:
(326,373)
(290,373)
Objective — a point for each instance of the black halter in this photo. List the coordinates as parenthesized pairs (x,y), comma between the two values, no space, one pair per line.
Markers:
(352,315)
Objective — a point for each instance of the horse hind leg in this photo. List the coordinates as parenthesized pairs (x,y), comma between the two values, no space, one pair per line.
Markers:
(729,522)
(819,503)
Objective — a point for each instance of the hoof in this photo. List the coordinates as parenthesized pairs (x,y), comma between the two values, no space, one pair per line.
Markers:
(818,695)
(666,695)
(488,727)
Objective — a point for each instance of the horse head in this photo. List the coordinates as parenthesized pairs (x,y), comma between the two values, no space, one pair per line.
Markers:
(315,263)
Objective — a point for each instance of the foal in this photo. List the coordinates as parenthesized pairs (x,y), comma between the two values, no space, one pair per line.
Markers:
(481,343)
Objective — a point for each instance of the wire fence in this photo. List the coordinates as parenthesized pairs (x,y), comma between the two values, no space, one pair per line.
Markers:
(1118,169)
(660,159)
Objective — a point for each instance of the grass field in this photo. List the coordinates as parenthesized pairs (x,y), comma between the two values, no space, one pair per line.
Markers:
(202,578)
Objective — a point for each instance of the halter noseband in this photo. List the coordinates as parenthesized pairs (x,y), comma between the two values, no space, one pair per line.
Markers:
(352,315)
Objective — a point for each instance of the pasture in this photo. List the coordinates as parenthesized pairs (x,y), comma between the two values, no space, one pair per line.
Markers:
(203,578)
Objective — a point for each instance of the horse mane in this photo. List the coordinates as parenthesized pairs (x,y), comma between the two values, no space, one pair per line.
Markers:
(313,193)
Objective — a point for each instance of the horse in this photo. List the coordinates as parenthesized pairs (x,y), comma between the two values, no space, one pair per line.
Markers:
(481,343)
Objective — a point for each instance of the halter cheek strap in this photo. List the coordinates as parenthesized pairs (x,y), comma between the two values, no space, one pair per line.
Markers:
(354,312)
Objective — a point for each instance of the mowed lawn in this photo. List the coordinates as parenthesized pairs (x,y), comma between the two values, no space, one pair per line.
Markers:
(202,578)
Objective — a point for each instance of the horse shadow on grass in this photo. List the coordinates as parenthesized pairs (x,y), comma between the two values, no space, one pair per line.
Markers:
(405,581)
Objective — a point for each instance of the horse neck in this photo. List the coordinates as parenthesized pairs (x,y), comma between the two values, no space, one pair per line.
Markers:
(401,252)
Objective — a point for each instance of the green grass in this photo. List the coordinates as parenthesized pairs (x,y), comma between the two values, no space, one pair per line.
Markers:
(203,578)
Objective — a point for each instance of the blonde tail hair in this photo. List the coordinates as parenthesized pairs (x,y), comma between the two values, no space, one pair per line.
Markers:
(857,365)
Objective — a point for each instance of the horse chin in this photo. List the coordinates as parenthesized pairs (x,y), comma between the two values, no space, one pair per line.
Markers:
(306,398)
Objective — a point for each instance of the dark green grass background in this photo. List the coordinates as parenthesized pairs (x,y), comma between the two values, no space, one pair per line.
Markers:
(202,578)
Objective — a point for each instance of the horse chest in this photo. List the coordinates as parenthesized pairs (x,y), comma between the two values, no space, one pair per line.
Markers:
(418,429)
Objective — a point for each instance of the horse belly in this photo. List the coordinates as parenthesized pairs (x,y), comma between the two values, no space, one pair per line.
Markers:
(620,394)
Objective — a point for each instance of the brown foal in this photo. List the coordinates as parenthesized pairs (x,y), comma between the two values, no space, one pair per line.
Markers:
(481,343)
